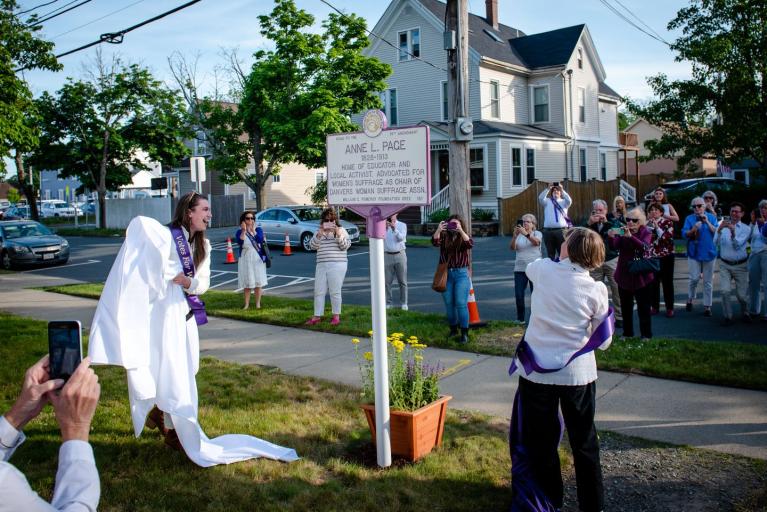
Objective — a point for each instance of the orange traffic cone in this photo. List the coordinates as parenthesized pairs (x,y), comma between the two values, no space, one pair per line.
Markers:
(474,320)
(286,249)
(229,252)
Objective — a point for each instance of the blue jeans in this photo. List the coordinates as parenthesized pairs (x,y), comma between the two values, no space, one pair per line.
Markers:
(520,283)
(456,296)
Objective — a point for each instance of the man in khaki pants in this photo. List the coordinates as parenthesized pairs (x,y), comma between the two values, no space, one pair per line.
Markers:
(732,240)
(604,273)
(395,260)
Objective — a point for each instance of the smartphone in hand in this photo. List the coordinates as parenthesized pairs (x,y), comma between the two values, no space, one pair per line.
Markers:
(65,347)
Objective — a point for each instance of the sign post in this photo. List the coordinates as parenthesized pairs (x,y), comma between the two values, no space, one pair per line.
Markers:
(377,173)
(197,172)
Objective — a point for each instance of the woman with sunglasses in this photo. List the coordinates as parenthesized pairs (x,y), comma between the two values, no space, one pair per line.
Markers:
(699,228)
(331,242)
(634,242)
(251,266)
(712,204)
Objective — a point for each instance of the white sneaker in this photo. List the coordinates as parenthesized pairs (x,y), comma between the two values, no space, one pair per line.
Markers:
(404,307)
(388,306)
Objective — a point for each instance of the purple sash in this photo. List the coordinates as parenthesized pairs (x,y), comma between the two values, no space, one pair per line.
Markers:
(196,305)
(256,245)
(557,210)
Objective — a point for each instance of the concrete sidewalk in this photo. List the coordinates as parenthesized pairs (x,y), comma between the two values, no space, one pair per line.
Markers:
(723,419)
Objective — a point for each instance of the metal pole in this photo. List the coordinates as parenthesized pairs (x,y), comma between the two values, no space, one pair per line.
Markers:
(380,358)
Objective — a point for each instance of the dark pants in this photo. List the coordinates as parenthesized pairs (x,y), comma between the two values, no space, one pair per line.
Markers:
(540,434)
(643,298)
(552,240)
(665,277)
(520,283)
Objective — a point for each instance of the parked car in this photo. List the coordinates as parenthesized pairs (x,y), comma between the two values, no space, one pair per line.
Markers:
(29,243)
(715,184)
(56,208)
(299,222)
(16,213)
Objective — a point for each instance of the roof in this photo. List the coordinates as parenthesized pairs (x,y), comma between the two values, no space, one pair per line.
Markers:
(482,127)
(608,91)
(552,48)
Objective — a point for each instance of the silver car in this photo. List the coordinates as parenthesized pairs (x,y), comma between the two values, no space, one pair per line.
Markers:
(299,223)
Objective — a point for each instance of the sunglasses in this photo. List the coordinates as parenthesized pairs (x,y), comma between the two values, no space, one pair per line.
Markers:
(629,219)
(249,218)
(708,197)
(698,205)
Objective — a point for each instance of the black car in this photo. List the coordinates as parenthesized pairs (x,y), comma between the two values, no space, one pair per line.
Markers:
(29,243)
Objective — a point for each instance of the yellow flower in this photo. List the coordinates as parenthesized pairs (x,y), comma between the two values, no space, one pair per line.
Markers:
(370,333)
(418,357)
(368,356)
(355,340)
(419,346)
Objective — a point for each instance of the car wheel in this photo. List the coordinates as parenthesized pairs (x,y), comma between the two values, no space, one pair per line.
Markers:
(6,262)
(63,262)
(305,239)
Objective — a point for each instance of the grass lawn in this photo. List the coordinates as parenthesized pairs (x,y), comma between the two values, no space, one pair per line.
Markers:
(321,420)
(718,363)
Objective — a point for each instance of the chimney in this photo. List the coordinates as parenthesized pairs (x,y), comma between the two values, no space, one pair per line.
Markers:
(491,10)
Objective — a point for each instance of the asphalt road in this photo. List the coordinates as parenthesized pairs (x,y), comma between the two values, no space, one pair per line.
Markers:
(292,276)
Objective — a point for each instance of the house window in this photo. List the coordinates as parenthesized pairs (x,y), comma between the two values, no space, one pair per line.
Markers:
(275,178)
(530,164)
(583,165)
(389,100)
(409,44)
(541,104)
(445,114)
(477,167)
(603,166)
(581,104)
(319,177)
(516,167)
(580,58)
(495,102)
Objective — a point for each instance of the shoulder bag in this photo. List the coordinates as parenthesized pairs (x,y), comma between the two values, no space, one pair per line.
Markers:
(439,284)
(644,265)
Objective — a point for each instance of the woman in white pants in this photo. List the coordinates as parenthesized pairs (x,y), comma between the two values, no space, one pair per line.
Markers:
(331,242)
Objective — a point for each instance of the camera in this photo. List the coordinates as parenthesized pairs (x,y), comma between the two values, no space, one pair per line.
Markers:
(520,222)
(452,225)
(555,184)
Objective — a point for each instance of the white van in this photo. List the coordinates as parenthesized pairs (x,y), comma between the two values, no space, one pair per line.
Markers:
(56,208)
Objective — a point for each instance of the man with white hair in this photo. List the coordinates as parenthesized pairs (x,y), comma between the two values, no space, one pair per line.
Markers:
(604,273)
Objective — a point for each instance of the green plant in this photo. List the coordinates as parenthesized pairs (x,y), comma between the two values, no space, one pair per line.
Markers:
(439,215)
(412,383)
(481,215)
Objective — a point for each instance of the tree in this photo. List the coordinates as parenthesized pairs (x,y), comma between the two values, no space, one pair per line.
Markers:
(98,129)
(296,94)
(722,110)
(20,48)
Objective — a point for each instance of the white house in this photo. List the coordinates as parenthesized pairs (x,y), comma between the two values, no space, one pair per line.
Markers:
(539,102)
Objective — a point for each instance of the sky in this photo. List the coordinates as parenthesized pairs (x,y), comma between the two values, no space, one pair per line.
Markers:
(205,28)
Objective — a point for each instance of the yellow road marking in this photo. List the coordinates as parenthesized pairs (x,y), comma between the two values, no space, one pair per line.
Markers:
(460,364)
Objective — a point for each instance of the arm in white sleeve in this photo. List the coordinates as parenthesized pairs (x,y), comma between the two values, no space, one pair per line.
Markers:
(602,306)
(542,197)
(741,238)
(400,232)
(566,199)
(201,279)
(10,439)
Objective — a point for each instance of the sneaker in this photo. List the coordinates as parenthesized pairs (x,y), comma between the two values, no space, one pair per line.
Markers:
(707,311)
(335,320)
(688,307)
(653,311)
(314,320)
(669,313)
(644,340)
(404,307)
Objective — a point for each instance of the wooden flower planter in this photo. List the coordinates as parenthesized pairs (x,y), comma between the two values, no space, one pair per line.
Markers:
(413,434)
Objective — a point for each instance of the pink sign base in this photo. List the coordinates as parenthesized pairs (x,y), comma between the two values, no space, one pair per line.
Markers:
(376,215)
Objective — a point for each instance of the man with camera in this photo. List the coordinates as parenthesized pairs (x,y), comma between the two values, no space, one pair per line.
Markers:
(555,202)
(606,271)
(77,480)
(395,260)
(699,228)
(732,240)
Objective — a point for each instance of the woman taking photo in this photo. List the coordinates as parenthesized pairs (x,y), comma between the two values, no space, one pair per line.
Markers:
(699,228)
(659,197)
(618,215)
(454,250)
(633,243)
(662,230)
(558,370)
(331,242)
(251,266)
(555,202)
(526,241)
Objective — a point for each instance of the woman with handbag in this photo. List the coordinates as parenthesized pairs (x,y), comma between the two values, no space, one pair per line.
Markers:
(635,271)
(526,241)
(662,229)
(454,258)
(251,266)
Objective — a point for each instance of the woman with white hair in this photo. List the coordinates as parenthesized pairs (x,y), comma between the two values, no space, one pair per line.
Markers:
(526,241)
(699,228)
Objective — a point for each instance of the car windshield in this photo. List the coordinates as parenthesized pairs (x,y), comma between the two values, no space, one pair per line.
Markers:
(60,206)
(308,213)
(21,230)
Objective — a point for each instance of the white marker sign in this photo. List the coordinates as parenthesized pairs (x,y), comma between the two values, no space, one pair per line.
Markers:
(391,168)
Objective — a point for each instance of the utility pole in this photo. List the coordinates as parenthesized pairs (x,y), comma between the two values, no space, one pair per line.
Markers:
(460,129)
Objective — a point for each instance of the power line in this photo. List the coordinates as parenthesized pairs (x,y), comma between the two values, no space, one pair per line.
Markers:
(117,37)
(36,7)
(622,16)
(97,19)
(638,19)
(58,8)
(43,20)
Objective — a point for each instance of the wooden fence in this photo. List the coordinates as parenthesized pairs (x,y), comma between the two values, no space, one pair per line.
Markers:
(582,193)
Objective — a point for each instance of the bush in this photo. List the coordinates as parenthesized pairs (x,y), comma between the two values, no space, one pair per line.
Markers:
(439,215)
(480,215)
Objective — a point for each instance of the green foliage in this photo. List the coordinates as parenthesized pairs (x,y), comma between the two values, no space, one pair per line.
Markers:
(439,215)
(723,108)
(625,118)
(319,193)
(480,215)
(13,195)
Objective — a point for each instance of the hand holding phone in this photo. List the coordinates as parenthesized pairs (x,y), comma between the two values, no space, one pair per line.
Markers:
(65,348)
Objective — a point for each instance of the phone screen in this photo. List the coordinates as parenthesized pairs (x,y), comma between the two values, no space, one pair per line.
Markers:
(65,348)
(328,225)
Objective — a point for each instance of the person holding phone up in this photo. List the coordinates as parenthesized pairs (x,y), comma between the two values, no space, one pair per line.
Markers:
(526,241)
(699,228)
(74,404)
(251,265)
(454,250)
(395,260)
(555,202)
(732,240)
(602,222)
(331,242)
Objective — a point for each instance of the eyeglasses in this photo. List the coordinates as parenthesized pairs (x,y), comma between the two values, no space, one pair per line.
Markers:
(708,198)
(249,218)
(698,206)
(629,219)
